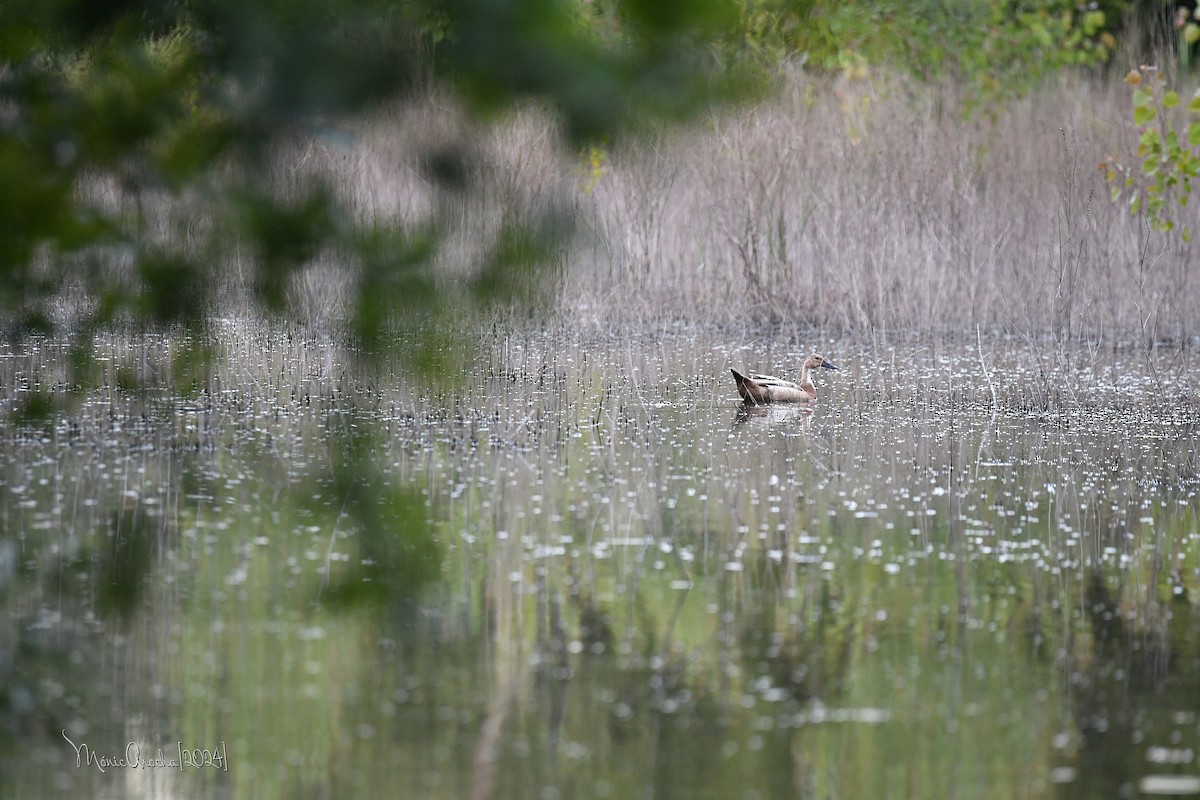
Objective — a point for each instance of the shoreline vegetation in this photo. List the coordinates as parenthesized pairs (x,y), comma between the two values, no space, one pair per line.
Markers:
(881,185)
(865,207)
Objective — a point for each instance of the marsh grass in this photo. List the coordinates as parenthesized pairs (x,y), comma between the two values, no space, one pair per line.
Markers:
(875,206)
(864,206)
(860,206)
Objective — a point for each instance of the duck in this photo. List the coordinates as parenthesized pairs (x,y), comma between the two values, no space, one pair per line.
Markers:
(758,389)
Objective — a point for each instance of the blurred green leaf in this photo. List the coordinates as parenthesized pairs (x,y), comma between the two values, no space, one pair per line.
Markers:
(173,288)
(395,281)
(35,410)
(127,559)
(399,553)
(511,268)
(285,235)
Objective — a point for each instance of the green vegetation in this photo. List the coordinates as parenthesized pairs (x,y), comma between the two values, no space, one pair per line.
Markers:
(995,49)
(1169,149)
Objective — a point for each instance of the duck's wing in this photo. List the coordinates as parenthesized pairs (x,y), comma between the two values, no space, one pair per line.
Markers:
(750,389)
(779,390)
(771,380)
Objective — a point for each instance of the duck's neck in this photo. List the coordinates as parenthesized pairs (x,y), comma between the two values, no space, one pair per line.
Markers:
(806,377)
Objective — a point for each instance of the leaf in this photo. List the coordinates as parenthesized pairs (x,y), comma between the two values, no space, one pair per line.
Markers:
(1171,99)
(1143,115)
(1194,134)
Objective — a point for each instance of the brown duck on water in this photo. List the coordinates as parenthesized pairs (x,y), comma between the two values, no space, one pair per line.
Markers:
(769,389)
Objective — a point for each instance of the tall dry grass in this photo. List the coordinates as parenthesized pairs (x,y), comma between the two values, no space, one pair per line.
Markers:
(849,205)
(873,205)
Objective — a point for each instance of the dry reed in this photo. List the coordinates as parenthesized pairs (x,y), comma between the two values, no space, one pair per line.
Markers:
(873,206)
(862,207)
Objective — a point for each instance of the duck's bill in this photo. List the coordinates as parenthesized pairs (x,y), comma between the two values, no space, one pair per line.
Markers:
(828,365)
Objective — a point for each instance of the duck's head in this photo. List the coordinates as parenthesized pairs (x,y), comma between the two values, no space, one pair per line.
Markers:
(816,360)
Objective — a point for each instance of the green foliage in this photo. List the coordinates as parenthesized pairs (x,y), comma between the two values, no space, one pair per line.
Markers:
(393,278)
(538,48)
(1160,183)
(172,287)
(126,560)
(287,235)
(1019,50)
(121,129)
(997,48)
(398,551)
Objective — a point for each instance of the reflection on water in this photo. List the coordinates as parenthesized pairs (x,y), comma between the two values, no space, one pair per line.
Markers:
(600,575)
(777,414)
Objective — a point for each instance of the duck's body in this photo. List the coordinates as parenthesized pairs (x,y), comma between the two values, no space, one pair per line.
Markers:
(758,389)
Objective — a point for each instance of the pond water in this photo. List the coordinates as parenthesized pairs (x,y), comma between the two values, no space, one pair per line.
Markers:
(971,569)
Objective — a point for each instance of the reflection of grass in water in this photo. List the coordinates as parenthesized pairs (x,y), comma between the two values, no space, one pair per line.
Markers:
(271,667)
(726,575)
(965,704)
(263,675)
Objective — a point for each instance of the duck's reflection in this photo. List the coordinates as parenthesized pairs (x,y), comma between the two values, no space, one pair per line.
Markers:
(773,414)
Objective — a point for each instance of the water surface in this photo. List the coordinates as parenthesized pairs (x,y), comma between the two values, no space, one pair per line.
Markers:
(970,569)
